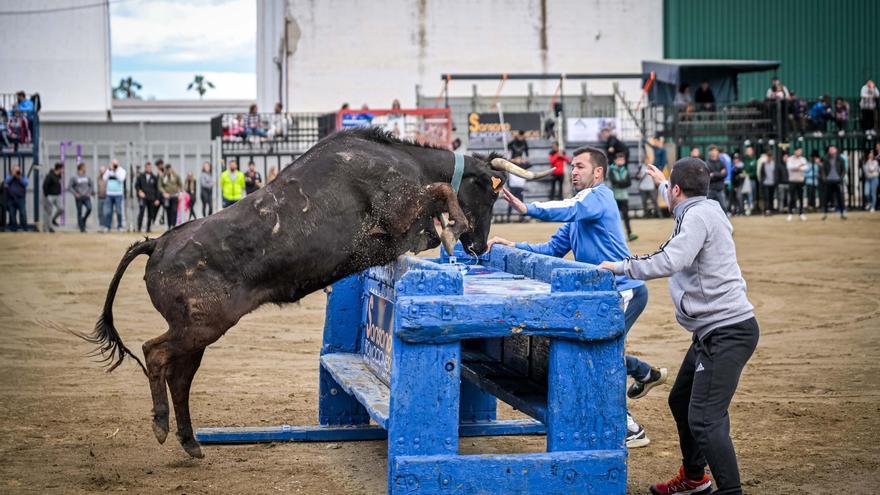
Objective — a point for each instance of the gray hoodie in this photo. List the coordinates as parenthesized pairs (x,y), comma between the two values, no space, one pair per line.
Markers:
(705,281)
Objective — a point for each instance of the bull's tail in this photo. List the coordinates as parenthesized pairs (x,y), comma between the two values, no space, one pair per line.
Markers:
(105,336)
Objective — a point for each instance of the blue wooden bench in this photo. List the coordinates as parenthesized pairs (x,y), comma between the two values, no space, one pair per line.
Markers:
(418,352)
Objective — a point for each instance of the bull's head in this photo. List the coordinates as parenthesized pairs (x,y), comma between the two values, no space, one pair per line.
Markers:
(480,186)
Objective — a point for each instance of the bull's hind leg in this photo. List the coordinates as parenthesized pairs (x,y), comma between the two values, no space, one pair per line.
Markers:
(180,376)
(156,357)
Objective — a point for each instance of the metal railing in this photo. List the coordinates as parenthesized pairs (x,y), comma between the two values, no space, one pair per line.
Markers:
(266,133)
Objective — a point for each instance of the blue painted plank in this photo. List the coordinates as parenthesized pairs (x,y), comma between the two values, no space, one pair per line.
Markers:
(518,391)
(355,378)
(586,402)
(336,406)
(317,433)
(594,472)
(343,322)
(583,316)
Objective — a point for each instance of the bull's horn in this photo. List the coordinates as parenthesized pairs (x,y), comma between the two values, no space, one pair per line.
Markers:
(502,164)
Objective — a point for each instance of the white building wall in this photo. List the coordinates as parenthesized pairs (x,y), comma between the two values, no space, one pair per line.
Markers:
(63,55)
(361,51)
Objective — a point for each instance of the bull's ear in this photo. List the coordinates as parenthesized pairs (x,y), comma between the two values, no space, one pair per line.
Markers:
(496,184)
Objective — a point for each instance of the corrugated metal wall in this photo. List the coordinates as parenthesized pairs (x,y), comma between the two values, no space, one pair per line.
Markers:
(825,46)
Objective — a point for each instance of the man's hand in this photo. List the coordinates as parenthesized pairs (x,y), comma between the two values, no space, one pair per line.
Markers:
(500,240)
(515,202)
(607,265)
(656,174)
(141,194)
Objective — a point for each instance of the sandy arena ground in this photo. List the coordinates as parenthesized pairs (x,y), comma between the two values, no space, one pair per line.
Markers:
(804,418)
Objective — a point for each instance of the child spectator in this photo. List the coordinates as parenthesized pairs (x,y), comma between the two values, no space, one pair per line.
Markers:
(647,190)
(253,125)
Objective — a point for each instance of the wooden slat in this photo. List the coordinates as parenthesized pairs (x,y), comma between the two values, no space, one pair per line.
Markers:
(355,378)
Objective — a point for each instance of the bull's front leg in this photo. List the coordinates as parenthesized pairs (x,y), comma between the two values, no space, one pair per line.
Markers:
(444,199)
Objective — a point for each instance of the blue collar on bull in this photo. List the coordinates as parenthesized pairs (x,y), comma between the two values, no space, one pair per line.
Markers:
(458,173)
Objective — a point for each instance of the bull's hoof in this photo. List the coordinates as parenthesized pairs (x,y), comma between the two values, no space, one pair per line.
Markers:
(191,446)
(160,429)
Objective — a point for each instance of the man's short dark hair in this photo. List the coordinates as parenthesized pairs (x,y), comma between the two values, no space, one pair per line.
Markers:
(691,175)
(712,147)
(59,166)
(597,157)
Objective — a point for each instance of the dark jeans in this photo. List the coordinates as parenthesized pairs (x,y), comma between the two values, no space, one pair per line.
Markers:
(718,195)
(83,203)
(833,192)
(192,207)
(635,367)
(518,193)
(649,203)
(111,204)
(796,196)
(17,206)
(623,208)
(171,211)
(768,193)
(151,208)
(556,187)
(229,202)
(700,397)
(207,197)
(812,196)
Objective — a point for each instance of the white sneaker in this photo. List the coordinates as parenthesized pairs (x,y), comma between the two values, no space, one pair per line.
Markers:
(788,218)
(636,439)
(803,218)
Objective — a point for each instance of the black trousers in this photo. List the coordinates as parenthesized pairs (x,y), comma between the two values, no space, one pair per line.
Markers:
(556,187)
(833,193)
(769,193)
(171,211)
(700,397)
(868,117)
(151,209)
(207,201)
(623,208)
(796,196)
(83,203)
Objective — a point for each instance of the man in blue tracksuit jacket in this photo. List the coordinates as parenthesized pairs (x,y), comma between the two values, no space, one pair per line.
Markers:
(593,233)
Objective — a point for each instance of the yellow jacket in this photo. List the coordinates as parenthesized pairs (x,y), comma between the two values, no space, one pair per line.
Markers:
(232,189)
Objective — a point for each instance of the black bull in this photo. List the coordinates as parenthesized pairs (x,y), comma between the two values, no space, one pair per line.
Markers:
(356,199)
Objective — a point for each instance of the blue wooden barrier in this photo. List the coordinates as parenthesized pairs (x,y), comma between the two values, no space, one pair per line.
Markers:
(424,348)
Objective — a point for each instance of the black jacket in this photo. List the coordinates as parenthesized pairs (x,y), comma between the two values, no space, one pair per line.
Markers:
(717,174)
(149,185)
(52,184)
(826,169)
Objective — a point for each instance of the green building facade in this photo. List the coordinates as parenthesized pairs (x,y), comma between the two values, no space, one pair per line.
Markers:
(824,46)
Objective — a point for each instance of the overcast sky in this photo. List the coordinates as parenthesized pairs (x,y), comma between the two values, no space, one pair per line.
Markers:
(163,44)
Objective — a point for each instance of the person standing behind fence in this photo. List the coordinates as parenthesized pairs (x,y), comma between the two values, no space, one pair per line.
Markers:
(147,188)
(750,167)
(170,186)
(191,185)
(231,185)
(717,176)
(769,177)
(833,174)
(868,106)
(52,206)
(618,174)
(82,188)
(647,190)
(811,181)
(252,179)
(797,167)
(16,193)
(739,182)
(558,159)
(102,198)
(782,182)
(872,179)
(206,189)
(115,179)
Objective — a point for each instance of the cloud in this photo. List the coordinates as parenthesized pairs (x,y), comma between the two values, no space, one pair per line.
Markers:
(196,35)
(172,84)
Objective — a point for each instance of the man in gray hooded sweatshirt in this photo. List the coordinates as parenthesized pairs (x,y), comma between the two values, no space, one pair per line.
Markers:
(709,295)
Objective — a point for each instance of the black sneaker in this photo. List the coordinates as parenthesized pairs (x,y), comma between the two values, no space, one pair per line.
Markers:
(640,389)
(636,439)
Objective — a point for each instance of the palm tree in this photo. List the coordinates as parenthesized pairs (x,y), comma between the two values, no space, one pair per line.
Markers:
(201,85)
(127,88)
